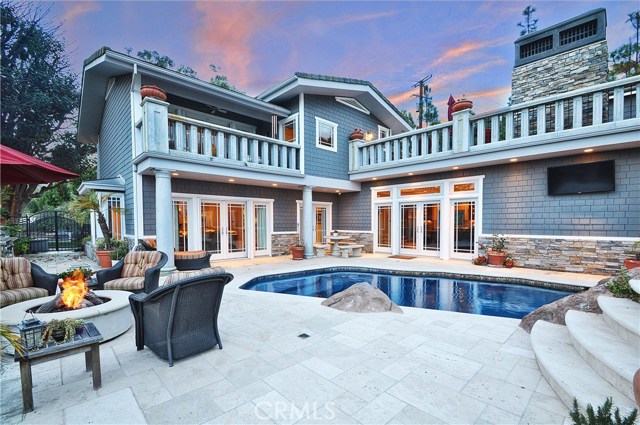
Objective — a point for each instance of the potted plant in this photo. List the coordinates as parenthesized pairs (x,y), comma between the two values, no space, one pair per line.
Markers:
(632,263)
(121,248)
(89,202)
(297,251)
(461,104)
(480,260)
(496,251)
(153,91)
(509,262)
(61,330)
(357,134)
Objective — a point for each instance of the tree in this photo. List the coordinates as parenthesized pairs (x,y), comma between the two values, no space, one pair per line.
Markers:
(427,112)
(82,205)
(221,80)
(625,59)
(39,92)
(156,59)
(530,24)
(408,118)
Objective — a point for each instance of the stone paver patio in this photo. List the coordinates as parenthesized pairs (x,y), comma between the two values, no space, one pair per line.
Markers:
(422,366)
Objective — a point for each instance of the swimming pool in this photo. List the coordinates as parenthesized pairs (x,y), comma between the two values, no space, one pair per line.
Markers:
(513,298)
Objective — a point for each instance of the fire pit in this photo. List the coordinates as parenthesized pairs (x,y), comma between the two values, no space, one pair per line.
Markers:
(74,295)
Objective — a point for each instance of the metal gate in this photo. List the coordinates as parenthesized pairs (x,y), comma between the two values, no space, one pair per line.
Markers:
(53,231)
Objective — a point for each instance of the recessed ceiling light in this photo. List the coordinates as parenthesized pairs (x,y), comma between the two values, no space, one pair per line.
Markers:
(274,184)
(456,168)
(231,180)
(175,174)
(411,174)
(337,191)
(588,150)
(375,178)
(513,159)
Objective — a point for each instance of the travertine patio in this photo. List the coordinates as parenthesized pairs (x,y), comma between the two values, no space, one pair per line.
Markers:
(422,366)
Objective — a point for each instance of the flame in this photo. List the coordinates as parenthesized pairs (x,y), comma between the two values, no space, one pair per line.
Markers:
(74,289)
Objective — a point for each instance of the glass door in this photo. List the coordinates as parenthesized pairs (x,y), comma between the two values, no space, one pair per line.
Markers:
(409,228)
(211,227)
(383,227)
(320,225)
(180,226)
(420,228)
(260,230)
(464,219)
(224,229)
(431,228)
(236,230)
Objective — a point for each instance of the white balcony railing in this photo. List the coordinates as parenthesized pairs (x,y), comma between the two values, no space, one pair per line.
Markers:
(192,139)
(593,107)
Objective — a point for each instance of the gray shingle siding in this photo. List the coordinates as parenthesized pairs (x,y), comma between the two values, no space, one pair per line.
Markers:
(284,204)
(115,145)
(516,201)
(322,162)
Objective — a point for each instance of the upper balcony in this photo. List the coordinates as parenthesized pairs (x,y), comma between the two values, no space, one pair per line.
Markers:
(208,149)
(604,115)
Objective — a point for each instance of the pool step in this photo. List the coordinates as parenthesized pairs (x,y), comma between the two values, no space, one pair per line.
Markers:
(623,316)
(568,373)
(611,357)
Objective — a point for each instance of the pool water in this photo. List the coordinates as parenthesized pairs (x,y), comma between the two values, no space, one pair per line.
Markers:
(411,290)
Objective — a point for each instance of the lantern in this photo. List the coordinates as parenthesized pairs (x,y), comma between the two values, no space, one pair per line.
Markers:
(31,332)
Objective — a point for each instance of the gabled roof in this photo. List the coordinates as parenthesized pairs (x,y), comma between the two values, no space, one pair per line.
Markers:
(106,63)
(361,90)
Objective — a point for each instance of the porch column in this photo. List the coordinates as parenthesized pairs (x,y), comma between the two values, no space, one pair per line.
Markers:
(164,219)
(307,220)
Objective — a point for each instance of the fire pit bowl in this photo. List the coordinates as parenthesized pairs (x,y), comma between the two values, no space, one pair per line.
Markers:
(112,318)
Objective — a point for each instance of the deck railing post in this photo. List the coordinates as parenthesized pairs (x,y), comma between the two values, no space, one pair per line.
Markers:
(155,125)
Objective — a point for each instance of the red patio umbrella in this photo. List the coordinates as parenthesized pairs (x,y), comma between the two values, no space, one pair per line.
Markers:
(19,168)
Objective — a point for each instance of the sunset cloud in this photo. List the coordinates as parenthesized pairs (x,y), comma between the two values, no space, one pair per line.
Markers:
(79,9)
(468,47)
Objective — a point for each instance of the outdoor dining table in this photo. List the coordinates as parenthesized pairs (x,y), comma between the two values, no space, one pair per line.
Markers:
(335,250)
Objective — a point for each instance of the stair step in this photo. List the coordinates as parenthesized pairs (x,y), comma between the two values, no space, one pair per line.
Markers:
(613,359)
(567,372)
(623,316)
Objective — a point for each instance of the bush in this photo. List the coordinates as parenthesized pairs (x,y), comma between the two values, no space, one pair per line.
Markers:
(21,246)
(603,417)
(620,287)
(120,249)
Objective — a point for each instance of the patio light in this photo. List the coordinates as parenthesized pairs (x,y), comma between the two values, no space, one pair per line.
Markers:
(31,332)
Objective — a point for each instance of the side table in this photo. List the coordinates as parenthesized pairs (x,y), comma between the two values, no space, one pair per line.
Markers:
(87,342)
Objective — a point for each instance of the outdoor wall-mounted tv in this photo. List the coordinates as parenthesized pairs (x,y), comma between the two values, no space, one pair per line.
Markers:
(582,178)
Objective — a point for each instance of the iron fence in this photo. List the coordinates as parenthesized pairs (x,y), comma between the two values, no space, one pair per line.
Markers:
(52,231)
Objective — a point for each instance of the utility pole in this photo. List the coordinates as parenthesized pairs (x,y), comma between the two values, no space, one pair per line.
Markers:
(420,111)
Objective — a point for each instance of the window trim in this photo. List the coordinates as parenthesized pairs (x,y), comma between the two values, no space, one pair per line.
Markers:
(282,123)
(334,136)
(382,128)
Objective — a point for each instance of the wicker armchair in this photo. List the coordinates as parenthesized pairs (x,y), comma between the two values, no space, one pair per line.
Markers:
(180,318)
(21,280)
(139,271)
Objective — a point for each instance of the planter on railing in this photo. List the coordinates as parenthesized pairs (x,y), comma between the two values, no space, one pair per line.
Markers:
(461,105)
(153,91)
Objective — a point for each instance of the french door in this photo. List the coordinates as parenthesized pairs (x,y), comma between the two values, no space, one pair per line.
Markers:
(224,228)
(464,228)
(420,228)
(321,220)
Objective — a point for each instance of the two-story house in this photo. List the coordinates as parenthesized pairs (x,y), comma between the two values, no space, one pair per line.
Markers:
(237,176)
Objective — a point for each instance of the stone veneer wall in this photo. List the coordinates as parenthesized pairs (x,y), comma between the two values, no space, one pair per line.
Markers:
(360,238)
(568,255)
(581,67)
(281,243)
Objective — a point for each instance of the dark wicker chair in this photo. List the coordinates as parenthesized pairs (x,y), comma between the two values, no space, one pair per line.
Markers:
(191,260)
(22,280)
(139,271)
(180,318)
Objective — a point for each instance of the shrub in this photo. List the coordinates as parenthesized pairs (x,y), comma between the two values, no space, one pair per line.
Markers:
(620,287)
(120,249)
(603,417)
(21,246)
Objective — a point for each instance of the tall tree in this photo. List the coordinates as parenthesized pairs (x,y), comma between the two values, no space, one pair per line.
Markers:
(634,18)
(221,80)
(530,24)
(39,92)
(625,59)
(427,111)
(408,117)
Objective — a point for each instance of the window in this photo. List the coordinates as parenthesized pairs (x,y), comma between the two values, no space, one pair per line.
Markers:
(427,190)
(326,134)
(383,132)
(289,129)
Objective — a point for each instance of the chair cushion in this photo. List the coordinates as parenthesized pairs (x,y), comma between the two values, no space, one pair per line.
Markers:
(125,284)
(137,262)
(176,276)
(189,255)
(13,296)
(15,273)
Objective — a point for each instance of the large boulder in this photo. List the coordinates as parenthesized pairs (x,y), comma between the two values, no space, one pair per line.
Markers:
(361,298)
(554,312)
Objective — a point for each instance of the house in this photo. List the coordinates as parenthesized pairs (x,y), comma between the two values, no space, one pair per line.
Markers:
(237,176)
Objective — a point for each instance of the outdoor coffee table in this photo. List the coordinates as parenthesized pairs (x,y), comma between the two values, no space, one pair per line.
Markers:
(87,342)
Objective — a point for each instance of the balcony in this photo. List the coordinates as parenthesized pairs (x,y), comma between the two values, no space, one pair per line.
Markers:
(182,139)
(603,115)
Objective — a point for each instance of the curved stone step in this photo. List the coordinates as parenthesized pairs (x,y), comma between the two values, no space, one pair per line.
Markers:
(623,316)
(613,359)
(567,372)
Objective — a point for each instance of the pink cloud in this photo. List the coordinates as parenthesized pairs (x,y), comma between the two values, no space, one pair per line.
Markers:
(79,9)
(468,50)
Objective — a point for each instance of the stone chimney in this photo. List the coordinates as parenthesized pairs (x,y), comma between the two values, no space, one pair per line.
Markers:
(561,58)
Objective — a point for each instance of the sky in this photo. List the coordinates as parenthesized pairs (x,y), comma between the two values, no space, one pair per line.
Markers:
(467,46)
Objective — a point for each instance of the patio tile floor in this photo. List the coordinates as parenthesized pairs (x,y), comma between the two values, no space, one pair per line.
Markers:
(422,366)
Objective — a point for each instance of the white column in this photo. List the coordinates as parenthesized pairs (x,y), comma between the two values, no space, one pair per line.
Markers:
(164,227)
(307,220)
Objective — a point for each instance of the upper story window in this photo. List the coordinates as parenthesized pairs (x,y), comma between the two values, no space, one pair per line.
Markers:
(352,103)
(289,129)
(326,134)
(383,132)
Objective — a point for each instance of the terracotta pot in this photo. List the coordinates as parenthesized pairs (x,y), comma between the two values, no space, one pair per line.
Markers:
(636,386)
(356,135)
(631,263)
(496,259)
(297,252)
(461,105)
(103,259)
(153,91)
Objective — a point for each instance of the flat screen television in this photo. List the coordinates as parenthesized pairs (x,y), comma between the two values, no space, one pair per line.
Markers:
(582,178)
